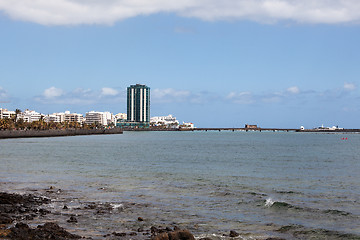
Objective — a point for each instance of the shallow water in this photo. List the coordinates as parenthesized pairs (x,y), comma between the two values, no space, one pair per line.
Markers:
(291,185)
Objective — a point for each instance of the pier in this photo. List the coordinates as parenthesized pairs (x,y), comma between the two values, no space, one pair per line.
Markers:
(274,130)
(243,129)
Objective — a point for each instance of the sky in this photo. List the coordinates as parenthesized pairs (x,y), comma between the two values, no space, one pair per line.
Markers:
(274,63)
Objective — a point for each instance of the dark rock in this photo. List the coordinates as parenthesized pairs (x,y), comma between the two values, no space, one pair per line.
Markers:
(19,207)
(119,234)
(205,238)
(43,211)
(46,231)
(72,220)
(90,206)
(154,230)
(140,219)
(175,235)
(275,238)
(133,234)
(233,234)
(4,233)
(5,219)
(65,207)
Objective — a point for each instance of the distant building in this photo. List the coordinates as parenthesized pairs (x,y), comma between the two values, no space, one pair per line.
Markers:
(29,116)
(333,128)
(103,118)
(4,113)
(251,126)
(121,116)
(52,118)
(138,103)
(138,107)
(166,121)
(69,117)
(73,117)
(188,125)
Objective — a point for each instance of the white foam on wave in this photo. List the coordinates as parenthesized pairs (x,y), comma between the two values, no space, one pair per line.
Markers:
(269,202)
(117,206)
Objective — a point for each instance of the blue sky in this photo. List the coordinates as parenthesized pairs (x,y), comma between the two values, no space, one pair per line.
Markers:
(274,63)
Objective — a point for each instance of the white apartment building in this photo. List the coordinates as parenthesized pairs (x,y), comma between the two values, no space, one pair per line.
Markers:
(74,117)
(121,116)
(4,113)
(164,121)
(29,116)
(70,117)
(52,118)
(103,118)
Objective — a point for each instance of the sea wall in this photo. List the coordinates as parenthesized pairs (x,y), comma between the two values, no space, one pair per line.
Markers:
(56,132)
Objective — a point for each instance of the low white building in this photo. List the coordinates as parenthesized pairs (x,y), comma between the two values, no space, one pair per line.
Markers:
(167,121)
(52,118)
(103,118)
(4,113)
(29,116)
(121,116)
(73,117)
(69,117)
(187,125)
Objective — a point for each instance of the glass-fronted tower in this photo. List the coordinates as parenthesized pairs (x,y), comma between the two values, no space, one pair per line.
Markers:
(138,103)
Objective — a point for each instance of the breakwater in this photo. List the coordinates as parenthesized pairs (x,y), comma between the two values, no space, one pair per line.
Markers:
(248,130)
(56,132)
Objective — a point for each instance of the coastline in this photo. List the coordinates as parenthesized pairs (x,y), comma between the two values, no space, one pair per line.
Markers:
(51,214)
(243,130)
(56,132)
(54,213)
(6,134)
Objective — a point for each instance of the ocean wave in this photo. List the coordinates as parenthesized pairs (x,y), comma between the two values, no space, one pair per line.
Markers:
(284,205)
(302,232)
(279,205)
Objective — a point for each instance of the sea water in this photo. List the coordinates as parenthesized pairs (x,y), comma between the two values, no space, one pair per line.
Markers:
(290,185)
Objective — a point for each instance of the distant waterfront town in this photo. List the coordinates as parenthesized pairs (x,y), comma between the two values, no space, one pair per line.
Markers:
(137,116)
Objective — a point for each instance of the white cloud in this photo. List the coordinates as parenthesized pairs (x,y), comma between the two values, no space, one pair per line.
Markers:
(170,95)
(293,90)
(349,86)
(3,93)
(53,92)
(74,12)
(109,91)
(80,96)
(241,97)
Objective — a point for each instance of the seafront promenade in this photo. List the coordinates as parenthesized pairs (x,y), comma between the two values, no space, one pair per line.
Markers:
(4,134)
(56,132)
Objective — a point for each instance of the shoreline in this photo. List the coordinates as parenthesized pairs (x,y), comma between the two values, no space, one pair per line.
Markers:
(46,214)
(5,134)
(54,213)
(8,134)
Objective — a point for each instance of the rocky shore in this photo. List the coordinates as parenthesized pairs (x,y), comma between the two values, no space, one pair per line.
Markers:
(17,212)
(35,216)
